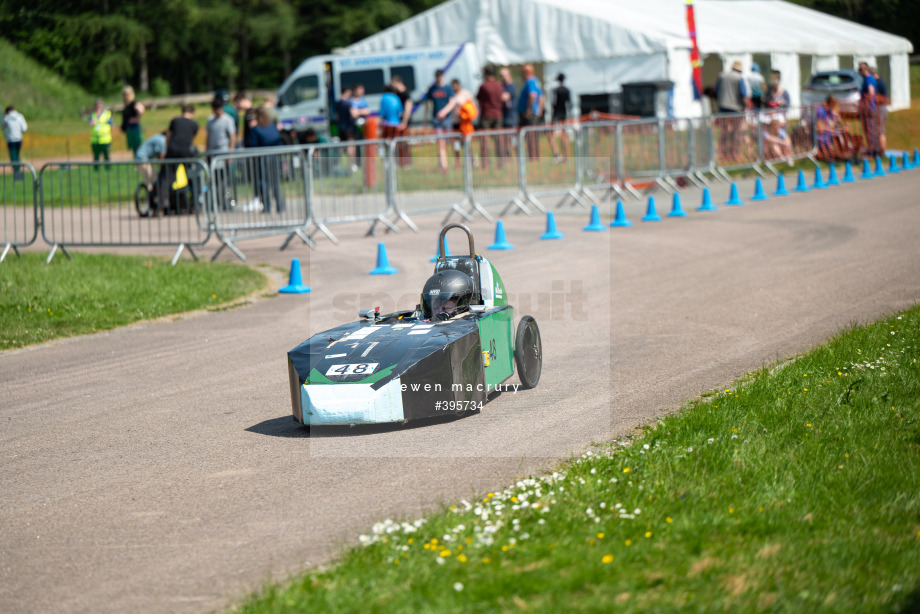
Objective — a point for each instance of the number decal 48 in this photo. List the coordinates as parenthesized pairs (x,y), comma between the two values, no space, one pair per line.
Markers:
(360,368)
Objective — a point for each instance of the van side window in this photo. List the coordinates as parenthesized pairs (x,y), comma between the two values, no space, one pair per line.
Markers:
(372,80)
(301,90)
(407,73)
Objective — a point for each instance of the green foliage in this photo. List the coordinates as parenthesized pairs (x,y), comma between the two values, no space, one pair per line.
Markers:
(901,17)
(38,92)
(797,491)
(39,302)
(194,45)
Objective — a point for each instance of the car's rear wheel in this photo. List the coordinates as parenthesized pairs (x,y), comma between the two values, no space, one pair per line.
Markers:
(528,352)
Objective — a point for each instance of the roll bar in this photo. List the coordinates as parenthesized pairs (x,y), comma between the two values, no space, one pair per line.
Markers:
(469,236)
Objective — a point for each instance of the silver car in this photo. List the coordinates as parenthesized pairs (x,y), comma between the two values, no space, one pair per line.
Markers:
(843,84)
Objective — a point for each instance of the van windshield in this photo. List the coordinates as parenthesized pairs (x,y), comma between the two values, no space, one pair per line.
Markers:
(303,89)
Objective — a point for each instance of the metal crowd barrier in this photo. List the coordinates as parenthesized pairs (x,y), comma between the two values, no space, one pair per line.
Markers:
(735,138)
(349,183)
(785,136)
(545,176)
(598,150)
(20,221)
(702,156)
(258,193)
(119,204)
(495,170)
(426,182)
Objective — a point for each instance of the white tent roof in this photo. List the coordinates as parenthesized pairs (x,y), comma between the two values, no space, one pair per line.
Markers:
(517,31)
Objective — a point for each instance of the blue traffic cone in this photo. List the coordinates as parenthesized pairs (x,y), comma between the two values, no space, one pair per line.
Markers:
(867,170)
(758,191)
(781,186)
(295,281)
(651,215)
(819,180)
(551,231)
(832,175)
(905,162)
(594,224)
(893,165)
(917,157)
(676,209)
(733,198)
(383,262)
(620,220)
(848,173)
(500,241)
(707,202)
(801,186)
(879,167)
(438,248)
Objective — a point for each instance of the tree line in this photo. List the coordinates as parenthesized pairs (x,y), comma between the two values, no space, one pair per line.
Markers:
(182,46)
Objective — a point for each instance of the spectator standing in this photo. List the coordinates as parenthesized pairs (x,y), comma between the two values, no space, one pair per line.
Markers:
(267,171)
(530,107)
(242,109)
(440,94)
(220,129)
(14,126)
(101,124)
(403,153)
(461,103)
(881,98)
(391,110)
(777,96)
(868,110)
(131,119)
(359,107)
(181,134)
(733,98)
(348,131)
(492,108)
(561,100)
(509,94)
(758,86)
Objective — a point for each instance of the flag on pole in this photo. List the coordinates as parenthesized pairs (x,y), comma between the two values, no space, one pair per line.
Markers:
(694,53)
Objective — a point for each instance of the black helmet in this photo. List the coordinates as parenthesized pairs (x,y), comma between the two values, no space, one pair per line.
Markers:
(446,294)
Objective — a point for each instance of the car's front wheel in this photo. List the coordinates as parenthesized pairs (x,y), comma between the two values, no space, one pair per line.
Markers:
(528,352)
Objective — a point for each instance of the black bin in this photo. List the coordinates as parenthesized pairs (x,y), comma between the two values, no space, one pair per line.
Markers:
(648,98)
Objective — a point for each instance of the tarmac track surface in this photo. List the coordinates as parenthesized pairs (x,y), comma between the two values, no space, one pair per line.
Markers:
(156,468)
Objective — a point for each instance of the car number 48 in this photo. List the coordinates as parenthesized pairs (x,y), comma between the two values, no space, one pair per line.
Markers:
(360,368)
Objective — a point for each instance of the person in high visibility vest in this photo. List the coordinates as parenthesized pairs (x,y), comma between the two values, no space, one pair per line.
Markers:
(101,123)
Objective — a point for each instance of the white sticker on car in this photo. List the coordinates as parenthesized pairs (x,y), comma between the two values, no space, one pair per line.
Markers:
(360,368)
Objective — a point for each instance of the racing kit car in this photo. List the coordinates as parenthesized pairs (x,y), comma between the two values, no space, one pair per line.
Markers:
(446,356)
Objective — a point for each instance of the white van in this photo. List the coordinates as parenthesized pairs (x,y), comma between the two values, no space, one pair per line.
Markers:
(308,96)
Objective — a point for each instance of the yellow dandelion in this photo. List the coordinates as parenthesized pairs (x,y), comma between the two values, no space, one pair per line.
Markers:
(731,510)
(427,546)
(411,541)
(648,534)
(469,540)
(839,373)
(213,296)
(490,495)
(460,548)
(504,548)
(808,424)
(600,536)
(396,562)
(444,554)
(759,509)
(846,456)
(462,558)
(805,389)
(486,560)
(625,469)
(669,520)
(514,499)
(629,542)
(434,540)
(607,559)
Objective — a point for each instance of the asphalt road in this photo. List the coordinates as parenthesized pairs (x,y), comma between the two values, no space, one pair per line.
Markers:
(156,468)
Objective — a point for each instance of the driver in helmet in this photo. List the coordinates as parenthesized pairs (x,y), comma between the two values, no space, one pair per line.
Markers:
(446,294)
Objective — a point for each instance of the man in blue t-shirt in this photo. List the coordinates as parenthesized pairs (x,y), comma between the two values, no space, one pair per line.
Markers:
(530,108)
(881,89)
(868,111)
(440,94)
(391,109)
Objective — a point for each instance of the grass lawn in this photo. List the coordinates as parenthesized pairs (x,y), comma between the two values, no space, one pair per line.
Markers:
(796,490)
(39,302)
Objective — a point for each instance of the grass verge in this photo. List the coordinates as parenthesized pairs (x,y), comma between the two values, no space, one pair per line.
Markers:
(797,491)
(40,302)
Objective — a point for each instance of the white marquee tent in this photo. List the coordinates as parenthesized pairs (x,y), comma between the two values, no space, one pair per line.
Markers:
(601,44)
